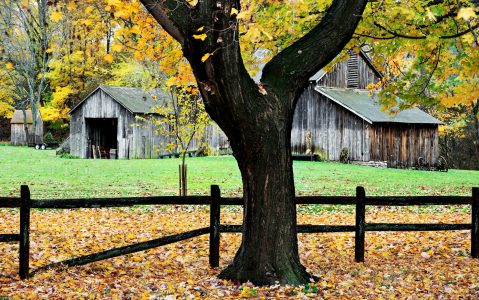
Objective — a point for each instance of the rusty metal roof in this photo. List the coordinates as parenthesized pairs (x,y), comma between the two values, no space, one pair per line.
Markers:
(365,105)
(18,117)
(135,100)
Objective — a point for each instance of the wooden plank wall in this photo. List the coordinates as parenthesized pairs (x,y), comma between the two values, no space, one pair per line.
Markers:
(403,144)
(18,135)
(332,128)
(136,138)
(339,76)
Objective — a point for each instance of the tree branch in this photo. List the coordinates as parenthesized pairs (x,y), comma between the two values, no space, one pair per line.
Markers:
(158,9)
(395,34)
(294,65)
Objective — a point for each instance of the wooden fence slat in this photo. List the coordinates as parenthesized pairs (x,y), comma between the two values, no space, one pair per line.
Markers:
(215,215)
(10,202)
(5,238)
(24,251)
(360,224)
(120,202)
(83,260)
(475,223)
(417,200)
(415,227)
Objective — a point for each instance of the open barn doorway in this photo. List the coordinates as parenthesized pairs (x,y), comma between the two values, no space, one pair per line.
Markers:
(102,137)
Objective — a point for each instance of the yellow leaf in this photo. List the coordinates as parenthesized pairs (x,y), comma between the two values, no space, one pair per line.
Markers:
(89,9)
(71,5)
(171,81)
(56,16)
(205,57)
(108,58)
(9,66)
(192,2)
(200,36)
(466,13)
(234,11)
(241,15)
(200,29)
(117,47)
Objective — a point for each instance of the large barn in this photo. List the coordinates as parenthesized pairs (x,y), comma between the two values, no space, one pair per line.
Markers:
(107,119)
(21,132)
(337,111)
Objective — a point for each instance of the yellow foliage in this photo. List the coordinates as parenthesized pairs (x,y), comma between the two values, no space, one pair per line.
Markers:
(108,58)
(202,36)
(205,57)
(466,13)
(56,16)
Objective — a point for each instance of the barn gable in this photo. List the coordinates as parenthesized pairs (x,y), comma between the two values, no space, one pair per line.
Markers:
(355,72)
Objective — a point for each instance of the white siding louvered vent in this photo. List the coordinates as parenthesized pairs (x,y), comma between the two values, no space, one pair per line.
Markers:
(353,70)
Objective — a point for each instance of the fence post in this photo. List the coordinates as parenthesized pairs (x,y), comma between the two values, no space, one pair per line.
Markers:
(215,226)
(475,223)
(24,232)
(360,224)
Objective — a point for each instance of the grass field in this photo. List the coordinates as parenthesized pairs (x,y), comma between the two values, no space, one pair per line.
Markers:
(421,265)
(50,176)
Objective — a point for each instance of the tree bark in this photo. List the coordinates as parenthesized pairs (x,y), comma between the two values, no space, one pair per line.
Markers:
(475,115)
(257,120)
(268,253)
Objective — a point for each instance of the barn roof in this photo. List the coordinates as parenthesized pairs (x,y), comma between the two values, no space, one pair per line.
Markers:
(366,106)
(18,117)
(135,100)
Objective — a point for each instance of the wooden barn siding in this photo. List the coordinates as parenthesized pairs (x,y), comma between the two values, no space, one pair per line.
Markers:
(403,144)
(133,141)
(338,77)
(136,139)
(18,134)
(332,127)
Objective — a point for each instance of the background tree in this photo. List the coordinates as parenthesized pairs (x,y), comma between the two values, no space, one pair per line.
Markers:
(428,52)
(24,40)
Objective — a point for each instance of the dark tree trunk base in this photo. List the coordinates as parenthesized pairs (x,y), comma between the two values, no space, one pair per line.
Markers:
(285,272)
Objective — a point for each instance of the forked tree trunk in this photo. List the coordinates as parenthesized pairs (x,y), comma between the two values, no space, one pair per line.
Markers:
(268,252)
(257,119)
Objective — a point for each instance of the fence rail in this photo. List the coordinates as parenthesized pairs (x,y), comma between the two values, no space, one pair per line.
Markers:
(215,201)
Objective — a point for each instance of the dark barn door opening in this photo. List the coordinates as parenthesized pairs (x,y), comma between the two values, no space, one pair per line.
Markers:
(102,133)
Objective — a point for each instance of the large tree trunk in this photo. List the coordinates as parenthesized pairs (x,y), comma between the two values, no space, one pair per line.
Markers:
(257,119)
(268,251)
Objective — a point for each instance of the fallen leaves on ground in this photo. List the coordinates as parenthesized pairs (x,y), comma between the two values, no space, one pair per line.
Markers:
(398,265)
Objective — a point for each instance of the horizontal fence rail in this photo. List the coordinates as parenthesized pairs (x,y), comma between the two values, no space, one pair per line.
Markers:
(215,201)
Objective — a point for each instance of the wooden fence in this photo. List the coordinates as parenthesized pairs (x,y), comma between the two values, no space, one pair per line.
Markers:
(215,201)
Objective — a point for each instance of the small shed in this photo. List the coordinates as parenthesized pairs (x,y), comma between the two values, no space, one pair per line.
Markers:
(108,118)
(336,111)
(22,133)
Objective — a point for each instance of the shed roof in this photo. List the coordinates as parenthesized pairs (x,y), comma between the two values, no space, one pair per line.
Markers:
(18,117)
(135,100)
(366,106)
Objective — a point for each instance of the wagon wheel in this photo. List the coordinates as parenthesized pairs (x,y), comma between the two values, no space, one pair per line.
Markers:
(442,164)
(421,163)
(37,147)
(43,146)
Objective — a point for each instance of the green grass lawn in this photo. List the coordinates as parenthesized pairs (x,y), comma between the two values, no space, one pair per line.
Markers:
(52,177)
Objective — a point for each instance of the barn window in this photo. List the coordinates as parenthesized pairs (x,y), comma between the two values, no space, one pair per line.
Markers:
(353,70)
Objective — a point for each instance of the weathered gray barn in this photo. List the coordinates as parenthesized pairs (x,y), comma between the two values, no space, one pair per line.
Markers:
(338,112)
(20,127)
(107,118)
